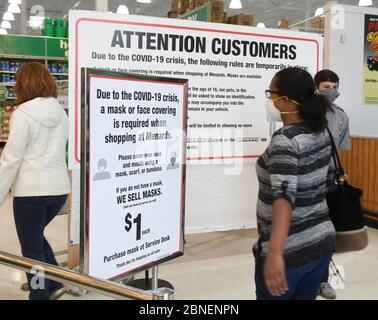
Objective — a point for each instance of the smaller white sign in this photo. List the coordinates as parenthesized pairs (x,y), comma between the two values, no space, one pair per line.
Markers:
(136,172)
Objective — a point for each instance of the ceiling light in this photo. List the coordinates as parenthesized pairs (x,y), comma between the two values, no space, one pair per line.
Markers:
(144,1)
(3,31)
(76,4)
(122,9)
(8,16)
(319,12)
(365,3)
(261,25)
(235,4)
(14,8)
(5,25)
(15,1)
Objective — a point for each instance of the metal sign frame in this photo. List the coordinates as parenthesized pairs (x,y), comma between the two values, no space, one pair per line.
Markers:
(84,165)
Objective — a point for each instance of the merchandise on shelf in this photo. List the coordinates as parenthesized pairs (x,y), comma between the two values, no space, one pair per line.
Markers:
(57,67)
(2,110)
(14,55)
(8,78)
(217,7)
(59,28)
(219,17)
(55,28)
(180,7)
(11,93)
(241,19)
(284,24)
(9,67)
(5,65)
(5,114)
(3,93)
(318,24)
(48,27)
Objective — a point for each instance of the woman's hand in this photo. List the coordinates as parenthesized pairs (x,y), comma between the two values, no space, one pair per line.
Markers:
(274,275)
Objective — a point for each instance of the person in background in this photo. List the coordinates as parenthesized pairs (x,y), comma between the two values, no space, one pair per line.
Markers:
(33,164)
(327,85)
(296,235)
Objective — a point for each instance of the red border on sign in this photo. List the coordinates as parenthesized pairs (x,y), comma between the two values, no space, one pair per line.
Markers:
(77,106)
(182,185)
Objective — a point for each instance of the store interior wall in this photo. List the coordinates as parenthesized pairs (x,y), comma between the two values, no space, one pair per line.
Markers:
(344,54)
(216,201)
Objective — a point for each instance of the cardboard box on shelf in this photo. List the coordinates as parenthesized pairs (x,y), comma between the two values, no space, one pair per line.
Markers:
(6,117)
(231,20)
(192,4)
(179,9)
(172,14)
(183,6)
(174,5)
(202,2)
(318,24)
(217,17)
(244,20)
(284,24)
(217,6)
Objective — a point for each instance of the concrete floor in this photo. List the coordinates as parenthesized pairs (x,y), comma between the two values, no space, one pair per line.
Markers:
(215,266)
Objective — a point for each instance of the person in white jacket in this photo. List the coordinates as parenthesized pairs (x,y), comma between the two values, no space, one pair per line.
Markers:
(33,165)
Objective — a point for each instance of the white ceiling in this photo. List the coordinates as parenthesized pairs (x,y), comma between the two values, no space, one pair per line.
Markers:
(267,11)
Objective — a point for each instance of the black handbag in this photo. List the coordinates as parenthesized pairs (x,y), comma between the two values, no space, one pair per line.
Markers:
(345,209)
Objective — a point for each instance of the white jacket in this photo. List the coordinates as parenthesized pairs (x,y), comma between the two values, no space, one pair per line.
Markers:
(34,158)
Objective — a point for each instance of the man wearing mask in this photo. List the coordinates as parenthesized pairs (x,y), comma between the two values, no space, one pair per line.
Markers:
(327,84)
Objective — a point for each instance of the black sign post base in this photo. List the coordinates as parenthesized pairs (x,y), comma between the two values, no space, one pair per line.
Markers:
(146,283)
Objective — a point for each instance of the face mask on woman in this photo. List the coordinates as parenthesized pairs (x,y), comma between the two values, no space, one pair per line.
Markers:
(331,94)
(273,113)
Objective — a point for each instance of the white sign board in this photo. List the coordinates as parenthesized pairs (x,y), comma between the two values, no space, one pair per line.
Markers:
(228,68)
(135,175)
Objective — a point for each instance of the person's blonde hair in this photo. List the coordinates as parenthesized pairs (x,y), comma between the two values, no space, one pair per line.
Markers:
(33,80)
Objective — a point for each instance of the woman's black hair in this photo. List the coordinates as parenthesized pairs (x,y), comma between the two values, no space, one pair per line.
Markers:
(325,76)
(298,85)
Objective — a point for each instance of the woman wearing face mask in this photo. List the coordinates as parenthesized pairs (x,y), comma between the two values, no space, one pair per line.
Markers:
(296,236)
(327,85)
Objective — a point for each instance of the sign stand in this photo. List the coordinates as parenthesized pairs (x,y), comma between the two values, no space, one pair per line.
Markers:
(151,284)
(130,191)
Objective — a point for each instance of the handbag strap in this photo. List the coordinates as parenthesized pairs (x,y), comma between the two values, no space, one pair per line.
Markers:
(339,170)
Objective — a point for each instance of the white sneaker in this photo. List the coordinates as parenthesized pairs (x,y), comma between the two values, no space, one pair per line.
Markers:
(326,291)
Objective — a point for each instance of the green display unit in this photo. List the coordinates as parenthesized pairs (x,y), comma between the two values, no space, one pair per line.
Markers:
(16,50)
(198,14)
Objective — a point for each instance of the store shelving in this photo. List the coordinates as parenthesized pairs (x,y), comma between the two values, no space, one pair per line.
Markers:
(17,50)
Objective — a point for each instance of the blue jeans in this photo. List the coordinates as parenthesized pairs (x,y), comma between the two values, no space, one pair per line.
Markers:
(303,282)
(32,215)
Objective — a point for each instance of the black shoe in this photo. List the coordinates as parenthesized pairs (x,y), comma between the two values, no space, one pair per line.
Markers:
(57,293)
